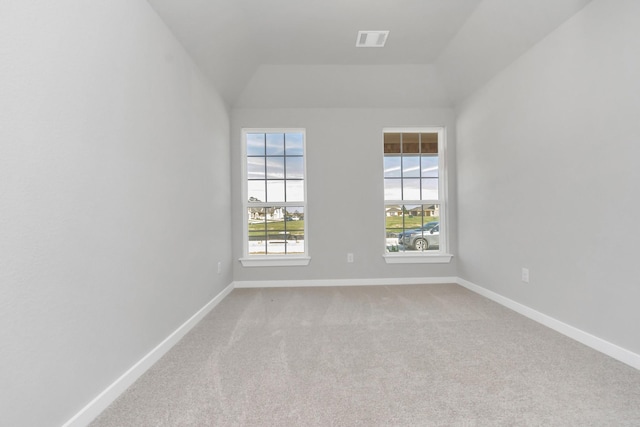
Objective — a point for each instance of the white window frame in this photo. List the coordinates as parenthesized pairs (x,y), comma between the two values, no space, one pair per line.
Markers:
(441,255)
(249,260)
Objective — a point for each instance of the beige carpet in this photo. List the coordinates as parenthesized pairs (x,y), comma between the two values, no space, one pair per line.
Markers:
(432,355)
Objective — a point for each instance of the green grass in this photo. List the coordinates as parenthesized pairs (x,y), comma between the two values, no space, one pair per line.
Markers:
(276,227)
(395,222)
(297,227)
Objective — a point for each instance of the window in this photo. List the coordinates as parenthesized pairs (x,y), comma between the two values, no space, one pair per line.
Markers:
(415,195)
(275,201)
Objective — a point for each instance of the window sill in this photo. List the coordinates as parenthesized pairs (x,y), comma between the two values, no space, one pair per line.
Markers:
(275,261)
(417,259)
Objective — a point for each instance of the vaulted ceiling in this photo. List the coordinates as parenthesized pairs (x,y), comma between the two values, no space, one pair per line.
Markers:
(293,53)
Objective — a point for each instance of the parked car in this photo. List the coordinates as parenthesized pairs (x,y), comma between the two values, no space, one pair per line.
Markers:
(423,238)
(426,227)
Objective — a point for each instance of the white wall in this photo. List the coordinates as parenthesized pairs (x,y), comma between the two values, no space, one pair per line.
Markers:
(114,198)
(344,190)
(495,35)
(344,86)
(548,175)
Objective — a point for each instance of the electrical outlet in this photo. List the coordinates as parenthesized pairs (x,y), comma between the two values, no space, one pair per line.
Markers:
(350,257)
(219,267)
(525,275)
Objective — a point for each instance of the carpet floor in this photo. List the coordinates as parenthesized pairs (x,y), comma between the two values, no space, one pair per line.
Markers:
(432,355)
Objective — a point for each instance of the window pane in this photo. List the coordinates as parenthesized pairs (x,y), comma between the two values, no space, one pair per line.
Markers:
(257,246)
(255,144)
(257,221)
(411,189)
(297,214)
(276,240)
(392,143)
(275,230)
(411,166)
(412,216)
(431,228)
(429,166)
(431,213)
(295,168)
(275,144)
(410,143)
(275,191)
(275,167)
(257,239)
(392,166)
(255,167)
(295,191)
(393,226)
(429,143)
(294,145)
(392,189)
(294,225)
(411,226)
(430,189)
(256,191)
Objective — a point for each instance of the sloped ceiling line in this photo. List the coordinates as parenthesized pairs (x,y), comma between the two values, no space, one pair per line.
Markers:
(298,53)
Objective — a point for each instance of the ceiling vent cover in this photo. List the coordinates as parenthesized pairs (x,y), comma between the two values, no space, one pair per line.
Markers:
(372,38)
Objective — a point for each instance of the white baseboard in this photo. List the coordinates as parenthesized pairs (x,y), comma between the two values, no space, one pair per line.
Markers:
(342,282)
(621,354)
(111,393)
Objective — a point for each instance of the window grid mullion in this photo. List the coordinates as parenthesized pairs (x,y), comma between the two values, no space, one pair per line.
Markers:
(402,209)
(284,168)
(266,196)
(420,165)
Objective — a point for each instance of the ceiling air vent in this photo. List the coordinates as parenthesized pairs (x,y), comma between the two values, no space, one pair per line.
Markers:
(371,38)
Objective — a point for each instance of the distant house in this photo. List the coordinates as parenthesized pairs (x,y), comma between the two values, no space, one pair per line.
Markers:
(393,211)
(429,210)
(273,214)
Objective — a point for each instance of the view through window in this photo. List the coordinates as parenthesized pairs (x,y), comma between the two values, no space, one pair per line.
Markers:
(275,189)
(414,199)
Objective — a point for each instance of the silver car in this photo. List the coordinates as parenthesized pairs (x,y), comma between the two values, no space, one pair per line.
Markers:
(421,239)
